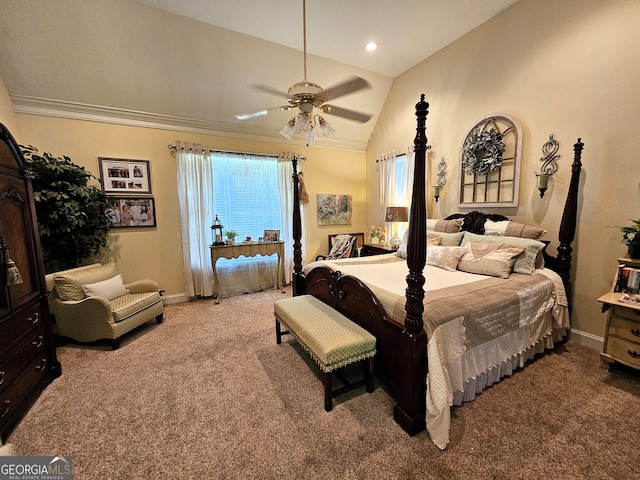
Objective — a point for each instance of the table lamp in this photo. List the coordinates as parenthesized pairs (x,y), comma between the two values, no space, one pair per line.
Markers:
(395,215)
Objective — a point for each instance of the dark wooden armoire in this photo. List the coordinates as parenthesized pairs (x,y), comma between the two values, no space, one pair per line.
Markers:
(28,360)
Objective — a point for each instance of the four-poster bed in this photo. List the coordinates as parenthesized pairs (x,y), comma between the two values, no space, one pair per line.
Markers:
(401,361)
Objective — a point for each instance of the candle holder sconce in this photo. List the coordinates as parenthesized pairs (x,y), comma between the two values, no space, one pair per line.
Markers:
(549,165)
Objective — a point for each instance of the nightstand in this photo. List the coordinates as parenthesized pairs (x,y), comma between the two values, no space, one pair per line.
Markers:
(622,333)
(369,249)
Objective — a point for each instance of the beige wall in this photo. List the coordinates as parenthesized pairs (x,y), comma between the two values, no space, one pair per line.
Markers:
(157,253)
(7,116)
(568,68)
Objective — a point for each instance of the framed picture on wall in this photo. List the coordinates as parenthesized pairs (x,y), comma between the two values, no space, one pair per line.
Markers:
(132,212)
(119,176)
(334,209)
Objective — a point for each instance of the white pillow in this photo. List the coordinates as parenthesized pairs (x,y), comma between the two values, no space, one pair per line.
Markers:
(109,289)
(513,229)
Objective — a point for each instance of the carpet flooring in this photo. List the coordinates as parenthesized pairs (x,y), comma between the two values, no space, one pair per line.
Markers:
(208,394)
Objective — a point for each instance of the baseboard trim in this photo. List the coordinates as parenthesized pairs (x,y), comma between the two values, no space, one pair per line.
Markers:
(175,298)
(586,339)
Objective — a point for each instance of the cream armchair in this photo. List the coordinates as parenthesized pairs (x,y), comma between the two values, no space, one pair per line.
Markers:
(93,303)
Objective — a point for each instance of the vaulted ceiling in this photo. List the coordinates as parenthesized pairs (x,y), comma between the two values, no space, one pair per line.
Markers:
(191,64)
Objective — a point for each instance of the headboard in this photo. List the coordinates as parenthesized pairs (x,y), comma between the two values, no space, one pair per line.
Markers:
(474,221)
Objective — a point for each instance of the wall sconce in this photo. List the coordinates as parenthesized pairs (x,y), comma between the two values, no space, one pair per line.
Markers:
(442,179)
(549,165)
(395,215)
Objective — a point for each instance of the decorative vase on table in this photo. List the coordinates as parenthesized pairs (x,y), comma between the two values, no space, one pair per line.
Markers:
(634,250)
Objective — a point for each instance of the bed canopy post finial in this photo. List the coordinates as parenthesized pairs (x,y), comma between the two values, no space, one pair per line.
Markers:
(567,230)
(409,413)
(297,282)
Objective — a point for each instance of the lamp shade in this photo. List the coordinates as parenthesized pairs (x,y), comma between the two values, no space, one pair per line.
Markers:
(397,214)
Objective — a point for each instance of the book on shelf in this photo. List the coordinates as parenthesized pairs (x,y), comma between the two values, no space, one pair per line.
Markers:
(628,279)
(630,298)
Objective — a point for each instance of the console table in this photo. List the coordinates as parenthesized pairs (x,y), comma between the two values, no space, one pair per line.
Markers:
(248,250)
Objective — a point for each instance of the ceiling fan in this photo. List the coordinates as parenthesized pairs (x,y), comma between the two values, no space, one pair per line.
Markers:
(306,96)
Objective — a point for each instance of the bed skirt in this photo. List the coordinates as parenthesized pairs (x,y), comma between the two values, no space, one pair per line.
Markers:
(457,375)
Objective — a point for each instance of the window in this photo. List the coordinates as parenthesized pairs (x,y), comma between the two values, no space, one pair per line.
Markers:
(399,192)
(396,181)
(249,193)
(245,193)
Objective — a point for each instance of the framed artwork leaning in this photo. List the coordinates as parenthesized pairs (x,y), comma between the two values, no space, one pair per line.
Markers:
(271,235)
(120,176)
(132,212)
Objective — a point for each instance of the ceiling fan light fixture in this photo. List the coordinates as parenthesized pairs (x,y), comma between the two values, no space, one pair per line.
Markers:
(325,128)
(288,129)
(307,96)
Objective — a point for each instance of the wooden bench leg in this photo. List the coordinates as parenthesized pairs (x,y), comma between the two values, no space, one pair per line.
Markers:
(278,332)
(328,391)
(369,374)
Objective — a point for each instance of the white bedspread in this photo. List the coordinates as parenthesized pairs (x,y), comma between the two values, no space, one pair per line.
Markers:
(457,374)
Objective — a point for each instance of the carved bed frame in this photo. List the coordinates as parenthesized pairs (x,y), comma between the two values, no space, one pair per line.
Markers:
(401,359)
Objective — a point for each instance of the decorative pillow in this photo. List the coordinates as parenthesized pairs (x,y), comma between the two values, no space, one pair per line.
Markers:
(109,289)
(433,240)
(526,262)
(493,259)
(446,226)
(342,245)
(68,284)
(513,229)
(445,257)
(449,239)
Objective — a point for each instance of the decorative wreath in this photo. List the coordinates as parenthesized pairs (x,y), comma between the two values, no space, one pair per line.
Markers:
(482,152)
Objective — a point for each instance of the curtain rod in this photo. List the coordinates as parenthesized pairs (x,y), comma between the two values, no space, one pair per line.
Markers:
(200,149)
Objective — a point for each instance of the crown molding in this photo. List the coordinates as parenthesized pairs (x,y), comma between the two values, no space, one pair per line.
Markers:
(119,116)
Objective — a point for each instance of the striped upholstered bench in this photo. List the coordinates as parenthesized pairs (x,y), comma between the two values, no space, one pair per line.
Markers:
(331,339)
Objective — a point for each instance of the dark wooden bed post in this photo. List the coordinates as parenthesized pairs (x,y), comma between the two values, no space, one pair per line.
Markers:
(410,411)
(297,281)
(567,230)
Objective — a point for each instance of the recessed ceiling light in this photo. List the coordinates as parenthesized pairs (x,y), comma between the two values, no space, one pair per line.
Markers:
(371,46)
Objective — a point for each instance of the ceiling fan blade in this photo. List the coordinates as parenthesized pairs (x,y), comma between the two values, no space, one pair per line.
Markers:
(261,113)
(351,85)
(270,90)
(344,113)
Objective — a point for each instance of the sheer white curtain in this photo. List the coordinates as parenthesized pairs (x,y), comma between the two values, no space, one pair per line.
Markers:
(195,198)
(243,190)
(386,177)
(395,174)
(285,187)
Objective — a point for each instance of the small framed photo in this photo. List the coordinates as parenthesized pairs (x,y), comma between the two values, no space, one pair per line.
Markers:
(271,235)
(119,176)
(132,212)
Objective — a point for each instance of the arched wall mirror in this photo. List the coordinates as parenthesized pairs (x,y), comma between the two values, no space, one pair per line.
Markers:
(490,163)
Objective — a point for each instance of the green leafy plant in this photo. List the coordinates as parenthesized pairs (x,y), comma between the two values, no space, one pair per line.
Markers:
(631,233)
(71,215)
(230,234)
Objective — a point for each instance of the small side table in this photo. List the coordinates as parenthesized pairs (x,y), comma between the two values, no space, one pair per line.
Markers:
(369,249)
(247,249)
(622,331)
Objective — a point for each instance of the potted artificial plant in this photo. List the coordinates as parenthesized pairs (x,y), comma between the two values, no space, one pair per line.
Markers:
(231,235)
(71,215)
(631,238)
